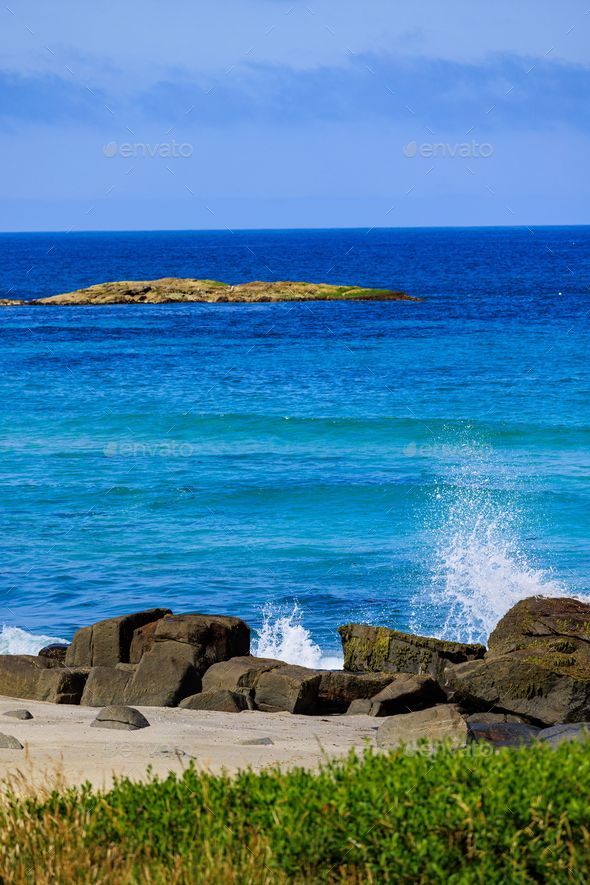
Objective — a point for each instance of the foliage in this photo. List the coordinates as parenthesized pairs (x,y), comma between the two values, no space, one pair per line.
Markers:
(458,817)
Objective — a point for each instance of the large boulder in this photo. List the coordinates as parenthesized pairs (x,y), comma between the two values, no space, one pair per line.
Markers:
(406,693)
(538,665)
(526,683)
(40,679)
(289,688)
(213,638)
(369,648)
(165,675)
(107,685)
(552,625)
(441,723)
(238,673)
(108,642)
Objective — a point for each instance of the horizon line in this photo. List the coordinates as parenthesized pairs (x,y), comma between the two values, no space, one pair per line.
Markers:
(225,229)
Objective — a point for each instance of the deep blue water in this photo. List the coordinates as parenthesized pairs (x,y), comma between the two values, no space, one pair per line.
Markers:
(417,464)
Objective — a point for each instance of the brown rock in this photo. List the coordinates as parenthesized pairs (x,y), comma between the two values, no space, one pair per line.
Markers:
(374,649)
(362,706)
(120,717)
(55,652)
(407,692)
(165,675)
(213,637)
(289,688)
(143,639)
(19,714)
(442,723)
(106,686)
(539,686)
(338,689)
(40,679)
(219,699)
(557,626)
(108,642)
(8,742)
(237,673)
(502,734)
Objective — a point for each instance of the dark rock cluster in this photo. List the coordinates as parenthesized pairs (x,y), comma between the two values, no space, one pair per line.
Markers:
(533,682)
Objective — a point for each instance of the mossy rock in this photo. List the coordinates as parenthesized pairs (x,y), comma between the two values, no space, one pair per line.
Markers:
(372,649)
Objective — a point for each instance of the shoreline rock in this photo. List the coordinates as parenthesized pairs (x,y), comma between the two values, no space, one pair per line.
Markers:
(368,649)
(535,675)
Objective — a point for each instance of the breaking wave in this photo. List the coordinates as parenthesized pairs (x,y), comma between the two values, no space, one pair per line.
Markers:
(283,636)
(15,641)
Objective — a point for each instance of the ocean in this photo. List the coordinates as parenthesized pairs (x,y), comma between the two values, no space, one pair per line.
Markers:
(420,465)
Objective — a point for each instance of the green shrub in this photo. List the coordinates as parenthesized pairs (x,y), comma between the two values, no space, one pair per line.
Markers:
(458,817)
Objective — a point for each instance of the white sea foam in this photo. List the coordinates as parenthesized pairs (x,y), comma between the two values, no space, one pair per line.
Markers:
(15,641)
(481,567)
(283,636)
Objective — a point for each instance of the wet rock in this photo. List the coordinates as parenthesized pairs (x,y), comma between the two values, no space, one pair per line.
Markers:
(436,724)
(8,742)
(165,675)
(108,642)
(40,679)
(55,652)
(288,688)
(502,734)
(106,686)
(338,689)
(218,699)
(18,714)
(238,673)
(374,649)
(120,717)
(574,731)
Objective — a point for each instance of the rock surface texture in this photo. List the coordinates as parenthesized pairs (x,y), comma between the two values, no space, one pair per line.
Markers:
(537,666)
(380,648)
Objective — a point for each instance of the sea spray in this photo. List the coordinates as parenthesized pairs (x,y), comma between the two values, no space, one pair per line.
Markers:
(283,636)
(479,567)
(15,641)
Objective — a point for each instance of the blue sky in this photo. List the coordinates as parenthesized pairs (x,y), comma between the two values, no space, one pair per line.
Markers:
(264,113)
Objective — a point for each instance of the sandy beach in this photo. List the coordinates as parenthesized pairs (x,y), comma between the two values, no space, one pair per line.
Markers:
(61,746)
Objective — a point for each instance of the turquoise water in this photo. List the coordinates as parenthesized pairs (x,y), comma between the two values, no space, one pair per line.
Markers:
(416,464)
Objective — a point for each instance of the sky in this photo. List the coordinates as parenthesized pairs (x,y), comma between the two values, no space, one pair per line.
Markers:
(203,114)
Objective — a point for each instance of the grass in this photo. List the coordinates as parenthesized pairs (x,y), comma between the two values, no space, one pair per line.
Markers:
(509,816)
